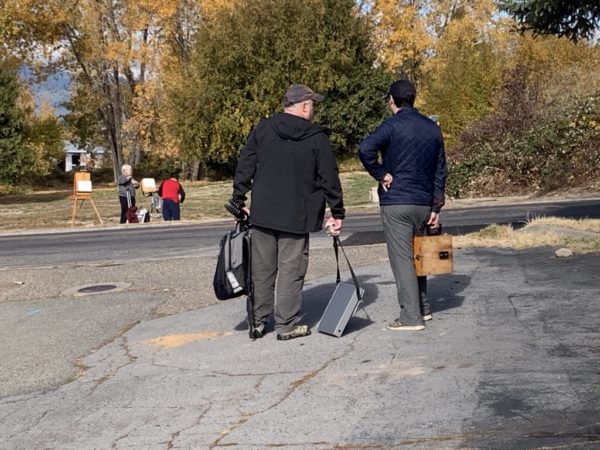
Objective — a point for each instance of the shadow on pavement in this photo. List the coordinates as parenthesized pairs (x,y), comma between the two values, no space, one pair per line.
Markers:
(443,291)
(315,302)
(316,299)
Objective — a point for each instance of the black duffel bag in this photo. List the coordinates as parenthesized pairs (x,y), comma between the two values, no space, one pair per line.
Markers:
(232,275)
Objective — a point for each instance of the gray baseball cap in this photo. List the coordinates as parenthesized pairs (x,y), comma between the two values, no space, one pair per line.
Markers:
(297,93)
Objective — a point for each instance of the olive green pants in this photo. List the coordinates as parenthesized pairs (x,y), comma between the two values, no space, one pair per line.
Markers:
(279,264)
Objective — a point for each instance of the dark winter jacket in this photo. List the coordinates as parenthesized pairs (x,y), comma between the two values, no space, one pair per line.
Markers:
(288,165)
(412,151)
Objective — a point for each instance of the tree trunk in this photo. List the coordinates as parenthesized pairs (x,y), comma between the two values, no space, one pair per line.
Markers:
(195,170)
(112,140)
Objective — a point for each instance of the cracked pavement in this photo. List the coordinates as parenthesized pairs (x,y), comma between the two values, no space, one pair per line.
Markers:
(510,360)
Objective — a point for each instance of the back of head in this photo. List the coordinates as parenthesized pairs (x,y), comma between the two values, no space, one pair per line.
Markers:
(299,100)
(298,93)
(403,92)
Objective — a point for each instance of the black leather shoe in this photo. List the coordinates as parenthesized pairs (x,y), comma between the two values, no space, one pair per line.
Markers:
(259,330)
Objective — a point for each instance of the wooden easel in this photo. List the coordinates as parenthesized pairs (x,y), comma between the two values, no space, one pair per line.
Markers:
(82,190)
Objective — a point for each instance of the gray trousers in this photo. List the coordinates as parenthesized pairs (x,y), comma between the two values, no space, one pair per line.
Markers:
(400,224)
(278,258)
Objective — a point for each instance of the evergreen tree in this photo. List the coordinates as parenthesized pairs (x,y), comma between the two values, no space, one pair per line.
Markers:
(574,19)
(11,126)
(246,56)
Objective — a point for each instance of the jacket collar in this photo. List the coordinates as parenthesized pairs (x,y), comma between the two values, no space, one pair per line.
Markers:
(405,109)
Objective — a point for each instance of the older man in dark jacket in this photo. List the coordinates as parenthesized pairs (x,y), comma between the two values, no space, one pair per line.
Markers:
(289,166)
(412,179)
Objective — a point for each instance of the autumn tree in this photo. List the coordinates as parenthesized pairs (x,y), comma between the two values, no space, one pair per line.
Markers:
(44,142)
(178,76)
(30,143)
(402,35)
(463,72)
(112,49)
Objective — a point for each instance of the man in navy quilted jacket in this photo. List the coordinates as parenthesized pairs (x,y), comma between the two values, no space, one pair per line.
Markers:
(412,179)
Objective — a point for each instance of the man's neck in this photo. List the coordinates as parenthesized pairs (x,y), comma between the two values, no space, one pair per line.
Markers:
(295,112)
(396,109)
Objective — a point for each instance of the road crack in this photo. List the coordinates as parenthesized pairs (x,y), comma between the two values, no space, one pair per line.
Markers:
(171,442)
(124,344)
(292,388)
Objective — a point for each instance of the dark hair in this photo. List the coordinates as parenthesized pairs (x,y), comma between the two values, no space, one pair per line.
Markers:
(402,102)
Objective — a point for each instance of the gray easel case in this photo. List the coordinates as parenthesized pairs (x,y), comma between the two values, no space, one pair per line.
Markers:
(344,301)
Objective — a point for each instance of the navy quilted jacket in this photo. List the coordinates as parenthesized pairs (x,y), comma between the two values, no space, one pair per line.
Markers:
(412,151)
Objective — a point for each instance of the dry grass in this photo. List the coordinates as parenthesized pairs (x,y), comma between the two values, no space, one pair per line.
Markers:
(574,224)
(204,201)
(537,233)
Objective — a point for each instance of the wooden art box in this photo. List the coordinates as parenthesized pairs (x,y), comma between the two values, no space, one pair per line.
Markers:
(433,254)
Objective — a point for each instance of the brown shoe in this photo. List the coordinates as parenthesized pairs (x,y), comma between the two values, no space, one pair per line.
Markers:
(397,326)
(296,332)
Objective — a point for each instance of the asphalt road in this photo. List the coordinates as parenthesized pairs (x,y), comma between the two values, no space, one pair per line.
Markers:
(509,362)
(141,243)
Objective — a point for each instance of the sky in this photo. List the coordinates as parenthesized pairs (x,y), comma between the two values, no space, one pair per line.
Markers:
(54,90)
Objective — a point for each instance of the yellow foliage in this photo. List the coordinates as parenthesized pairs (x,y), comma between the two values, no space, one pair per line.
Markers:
(401,35)
(561,68)
(145,46)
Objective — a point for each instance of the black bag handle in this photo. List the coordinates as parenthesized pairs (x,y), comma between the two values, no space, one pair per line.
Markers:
(337,243)
(437,231)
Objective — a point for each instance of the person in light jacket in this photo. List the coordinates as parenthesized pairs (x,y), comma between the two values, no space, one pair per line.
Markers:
(126,184)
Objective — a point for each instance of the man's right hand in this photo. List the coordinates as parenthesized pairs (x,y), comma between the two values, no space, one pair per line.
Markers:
(333,226)
(239,211)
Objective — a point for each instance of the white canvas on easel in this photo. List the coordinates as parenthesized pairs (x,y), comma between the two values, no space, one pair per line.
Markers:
(84,186)
(148,185)
(82,190)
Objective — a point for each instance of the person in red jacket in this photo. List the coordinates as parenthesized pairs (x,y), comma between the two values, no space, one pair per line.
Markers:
(172,195)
